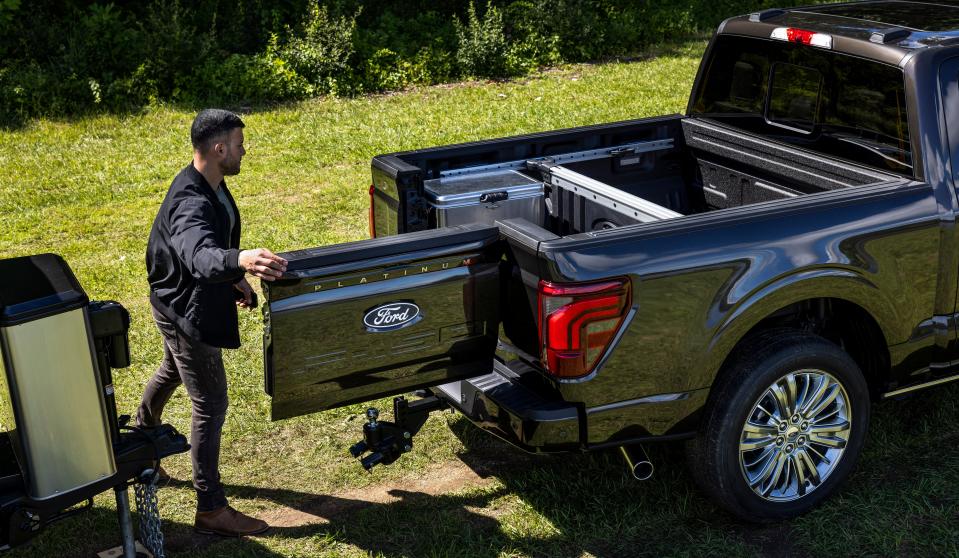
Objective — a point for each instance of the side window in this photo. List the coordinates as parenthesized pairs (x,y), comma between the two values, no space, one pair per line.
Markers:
(794,93)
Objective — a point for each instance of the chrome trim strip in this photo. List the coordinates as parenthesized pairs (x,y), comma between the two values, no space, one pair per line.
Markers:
(610,197)
(921,386)
(661,398)
(943,365)
(715,192)
(775,190)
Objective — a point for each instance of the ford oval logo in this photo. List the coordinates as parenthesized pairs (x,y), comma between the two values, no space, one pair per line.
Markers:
(395,315)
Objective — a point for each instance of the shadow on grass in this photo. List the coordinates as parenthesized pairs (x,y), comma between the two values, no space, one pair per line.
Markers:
(15,123)
(902,500)
(541,506)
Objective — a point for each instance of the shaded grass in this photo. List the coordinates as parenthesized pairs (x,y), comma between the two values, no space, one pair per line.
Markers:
(89,189)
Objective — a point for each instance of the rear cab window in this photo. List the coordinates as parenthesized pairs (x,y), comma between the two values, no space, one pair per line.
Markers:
(824,101)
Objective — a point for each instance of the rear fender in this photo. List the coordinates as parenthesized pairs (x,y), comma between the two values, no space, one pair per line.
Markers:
(842,284)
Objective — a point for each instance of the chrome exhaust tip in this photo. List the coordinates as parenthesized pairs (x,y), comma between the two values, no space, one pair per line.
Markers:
(637,462)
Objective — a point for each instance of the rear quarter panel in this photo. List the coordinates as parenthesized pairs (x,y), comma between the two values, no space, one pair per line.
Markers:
(700,283)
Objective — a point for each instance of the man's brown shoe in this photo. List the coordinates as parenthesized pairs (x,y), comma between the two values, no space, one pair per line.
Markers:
(228,522)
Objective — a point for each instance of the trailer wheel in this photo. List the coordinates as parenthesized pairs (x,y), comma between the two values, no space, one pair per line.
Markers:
(784,426)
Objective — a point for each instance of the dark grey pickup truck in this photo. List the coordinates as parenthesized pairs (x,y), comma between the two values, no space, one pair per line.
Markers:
(749,277)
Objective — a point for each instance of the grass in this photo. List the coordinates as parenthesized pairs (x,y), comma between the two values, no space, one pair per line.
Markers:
(88,189)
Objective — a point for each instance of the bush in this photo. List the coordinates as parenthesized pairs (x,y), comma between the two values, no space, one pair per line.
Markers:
(244,78)
(321,52)
(7,10)
(175,47)
(533,45)
(73,56)
(103,44)
(482,49)
(404,45)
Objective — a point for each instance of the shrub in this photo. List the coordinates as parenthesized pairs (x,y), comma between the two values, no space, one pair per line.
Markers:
(321,52)
(400,44)
(533,45)
(243,78)
(482,48)
(175,48)
(578,26)
(31,90)
(103,44)
(7,10)
(72,56)
(138,89)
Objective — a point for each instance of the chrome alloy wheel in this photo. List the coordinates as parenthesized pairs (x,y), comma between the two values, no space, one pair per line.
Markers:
(795,435)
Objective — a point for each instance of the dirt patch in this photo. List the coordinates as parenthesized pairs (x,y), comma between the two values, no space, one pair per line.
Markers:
(436,480)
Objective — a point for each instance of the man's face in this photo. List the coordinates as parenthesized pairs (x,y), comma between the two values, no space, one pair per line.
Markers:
(232,152)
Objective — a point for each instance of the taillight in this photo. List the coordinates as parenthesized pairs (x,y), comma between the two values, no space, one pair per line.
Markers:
(577,322)
(372,214)
(802,36)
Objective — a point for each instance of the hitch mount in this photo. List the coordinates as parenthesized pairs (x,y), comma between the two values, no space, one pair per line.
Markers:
(387,441)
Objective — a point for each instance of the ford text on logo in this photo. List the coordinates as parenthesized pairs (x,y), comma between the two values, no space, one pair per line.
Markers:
(389,317)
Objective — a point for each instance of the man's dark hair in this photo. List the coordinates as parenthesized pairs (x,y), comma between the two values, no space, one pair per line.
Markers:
(209,125)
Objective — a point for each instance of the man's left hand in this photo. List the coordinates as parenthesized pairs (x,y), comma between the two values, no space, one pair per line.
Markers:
(244,287)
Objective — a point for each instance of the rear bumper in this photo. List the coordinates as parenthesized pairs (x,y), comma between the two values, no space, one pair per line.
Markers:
(498,403)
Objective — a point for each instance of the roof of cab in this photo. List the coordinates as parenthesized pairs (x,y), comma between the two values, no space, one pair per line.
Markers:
(884,30)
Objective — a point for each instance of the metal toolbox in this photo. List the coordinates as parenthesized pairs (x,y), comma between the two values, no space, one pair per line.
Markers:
(485,197)
(53,404)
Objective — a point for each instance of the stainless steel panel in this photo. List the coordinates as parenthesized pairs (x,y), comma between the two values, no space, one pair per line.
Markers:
(457,199)
(530,209)
(609,197)
(64,442)
(466,190)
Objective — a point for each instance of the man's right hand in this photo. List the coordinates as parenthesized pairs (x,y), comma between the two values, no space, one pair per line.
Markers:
(262,263)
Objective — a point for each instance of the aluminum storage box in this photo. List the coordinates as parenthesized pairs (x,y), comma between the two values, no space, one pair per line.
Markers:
(53,402)
(485,197)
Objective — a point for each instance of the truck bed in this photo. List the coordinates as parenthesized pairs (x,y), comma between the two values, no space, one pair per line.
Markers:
(679,167)
(654,171)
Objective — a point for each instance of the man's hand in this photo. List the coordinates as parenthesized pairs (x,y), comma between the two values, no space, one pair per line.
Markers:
(262,263)
(244,287)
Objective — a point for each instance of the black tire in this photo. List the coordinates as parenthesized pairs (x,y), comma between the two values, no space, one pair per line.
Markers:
(714,457)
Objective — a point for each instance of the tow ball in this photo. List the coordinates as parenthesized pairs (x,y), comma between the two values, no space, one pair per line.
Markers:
(387,441)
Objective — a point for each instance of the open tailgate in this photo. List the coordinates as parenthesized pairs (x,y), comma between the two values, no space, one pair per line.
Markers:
(363,320)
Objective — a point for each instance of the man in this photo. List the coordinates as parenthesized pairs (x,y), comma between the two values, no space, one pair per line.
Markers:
(196,273)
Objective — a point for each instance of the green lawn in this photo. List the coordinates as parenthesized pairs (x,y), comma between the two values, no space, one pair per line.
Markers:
(88,189)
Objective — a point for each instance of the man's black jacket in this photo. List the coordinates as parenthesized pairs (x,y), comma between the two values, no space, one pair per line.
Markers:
(192,261)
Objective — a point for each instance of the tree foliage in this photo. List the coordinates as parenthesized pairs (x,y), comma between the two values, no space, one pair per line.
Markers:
(75,56)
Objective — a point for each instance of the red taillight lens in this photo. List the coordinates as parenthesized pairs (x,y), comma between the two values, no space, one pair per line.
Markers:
(372,214)
(802,36)
(799,36)
(577,322)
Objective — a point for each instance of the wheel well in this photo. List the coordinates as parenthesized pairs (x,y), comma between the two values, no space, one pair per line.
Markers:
(844,323)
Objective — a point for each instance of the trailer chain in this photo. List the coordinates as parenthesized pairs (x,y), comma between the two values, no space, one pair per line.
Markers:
(148,516)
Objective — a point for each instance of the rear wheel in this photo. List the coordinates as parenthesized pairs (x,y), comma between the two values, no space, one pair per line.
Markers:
(784,427)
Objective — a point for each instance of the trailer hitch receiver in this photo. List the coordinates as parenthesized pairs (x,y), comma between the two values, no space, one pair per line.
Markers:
(387,441)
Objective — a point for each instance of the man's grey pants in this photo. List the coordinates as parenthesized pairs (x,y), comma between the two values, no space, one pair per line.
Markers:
(199,367)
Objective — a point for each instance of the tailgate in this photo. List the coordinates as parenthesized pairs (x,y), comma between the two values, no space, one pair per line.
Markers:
(364,320)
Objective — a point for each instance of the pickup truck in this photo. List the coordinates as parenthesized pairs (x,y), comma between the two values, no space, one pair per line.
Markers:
(749,277)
